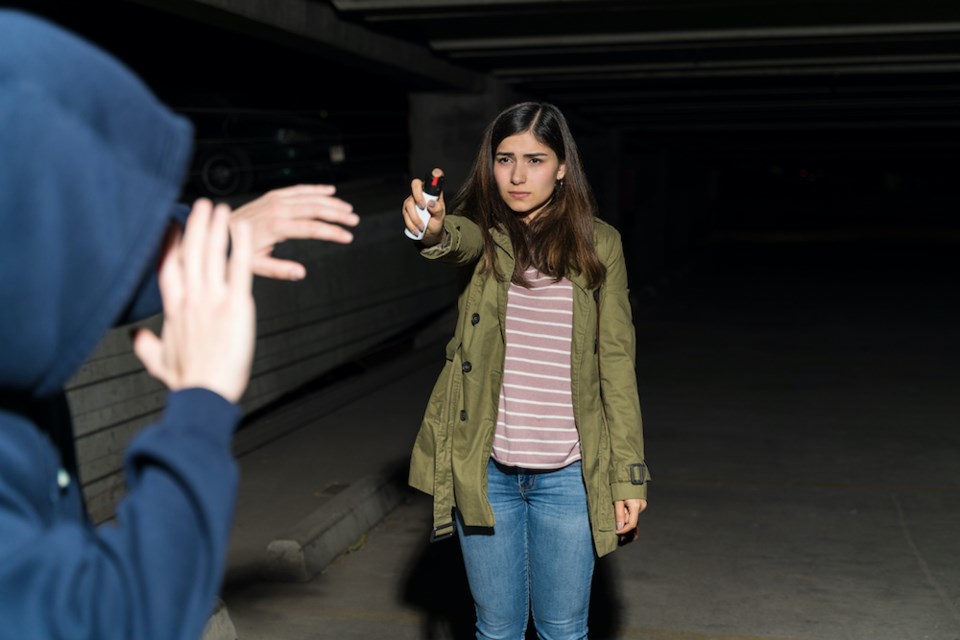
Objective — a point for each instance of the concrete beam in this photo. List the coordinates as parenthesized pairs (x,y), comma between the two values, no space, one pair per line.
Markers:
(704,37)
(316,29)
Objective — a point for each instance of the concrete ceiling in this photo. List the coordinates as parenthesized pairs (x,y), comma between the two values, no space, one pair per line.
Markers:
(644,66)
(700,65)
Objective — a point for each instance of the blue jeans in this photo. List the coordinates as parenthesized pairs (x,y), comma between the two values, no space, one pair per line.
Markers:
(538,557)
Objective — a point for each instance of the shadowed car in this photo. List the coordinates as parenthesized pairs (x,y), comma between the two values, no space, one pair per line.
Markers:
(243,151)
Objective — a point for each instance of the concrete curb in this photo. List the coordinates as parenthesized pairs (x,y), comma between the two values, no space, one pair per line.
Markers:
(220,626)
(315,541)
(307,548)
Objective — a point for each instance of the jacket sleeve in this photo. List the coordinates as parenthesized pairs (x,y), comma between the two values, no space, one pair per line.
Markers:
(462,243)
(152,573)
(618,379)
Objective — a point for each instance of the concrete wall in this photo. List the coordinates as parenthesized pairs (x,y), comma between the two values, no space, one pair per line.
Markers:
(446,129)
(666,211)
(354,298)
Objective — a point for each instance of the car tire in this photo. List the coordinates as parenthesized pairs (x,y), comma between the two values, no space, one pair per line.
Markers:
(224,172)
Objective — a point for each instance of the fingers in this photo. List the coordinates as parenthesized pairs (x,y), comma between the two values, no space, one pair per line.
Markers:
(265,265)
(192,246)
(301,212)
(205,249)
(416,189)
(277,269)
(215,329)
(304,229)
(209,323)
(432,232)
(632,515)
(628,513)
(437,207)
(321,208)
(215,268)
(410,216)
(306,190)
(621,510)
(297,201)
(302,201)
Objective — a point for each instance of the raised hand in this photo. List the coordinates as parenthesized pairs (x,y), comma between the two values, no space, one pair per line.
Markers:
(308,212)
(209,318)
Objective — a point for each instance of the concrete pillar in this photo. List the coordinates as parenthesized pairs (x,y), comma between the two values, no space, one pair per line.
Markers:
(644,198)
(602,156)
(446,129)
(668,205)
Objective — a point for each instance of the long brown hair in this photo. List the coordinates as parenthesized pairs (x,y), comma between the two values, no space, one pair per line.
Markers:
(559,240)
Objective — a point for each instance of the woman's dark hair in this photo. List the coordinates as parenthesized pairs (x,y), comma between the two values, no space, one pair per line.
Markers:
(559,240)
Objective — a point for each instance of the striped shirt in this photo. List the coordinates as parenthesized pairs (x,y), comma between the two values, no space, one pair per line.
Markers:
(535,426)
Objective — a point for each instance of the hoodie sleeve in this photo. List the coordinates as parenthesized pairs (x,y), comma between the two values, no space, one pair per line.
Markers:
(152,573)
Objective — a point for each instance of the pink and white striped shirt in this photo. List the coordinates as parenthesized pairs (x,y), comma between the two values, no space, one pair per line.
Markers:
(535,426)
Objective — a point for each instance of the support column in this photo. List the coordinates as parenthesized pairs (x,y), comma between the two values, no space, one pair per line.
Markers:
(446,129)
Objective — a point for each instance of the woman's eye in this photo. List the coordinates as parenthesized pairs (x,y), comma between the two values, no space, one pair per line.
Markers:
(536,160)
(503,160)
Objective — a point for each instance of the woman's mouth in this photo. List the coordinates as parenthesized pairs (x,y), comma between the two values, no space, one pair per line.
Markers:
(519,195)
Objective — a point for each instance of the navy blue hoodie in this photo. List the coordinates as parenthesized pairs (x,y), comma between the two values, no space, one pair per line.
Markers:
(91,165)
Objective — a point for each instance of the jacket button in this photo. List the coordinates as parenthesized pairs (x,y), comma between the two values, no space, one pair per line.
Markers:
(475,319)
(463,415)
(467,367)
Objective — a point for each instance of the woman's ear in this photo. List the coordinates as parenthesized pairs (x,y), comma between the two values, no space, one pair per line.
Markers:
(562,171)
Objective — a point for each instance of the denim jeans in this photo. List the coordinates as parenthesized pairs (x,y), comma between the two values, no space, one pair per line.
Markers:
(537,558)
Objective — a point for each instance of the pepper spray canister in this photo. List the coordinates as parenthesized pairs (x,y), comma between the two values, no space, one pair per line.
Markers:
(432,188)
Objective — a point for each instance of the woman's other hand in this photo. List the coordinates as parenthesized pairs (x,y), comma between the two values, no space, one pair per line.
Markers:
(628,512)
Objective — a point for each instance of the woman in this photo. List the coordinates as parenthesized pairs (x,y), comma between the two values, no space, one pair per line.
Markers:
(531,443)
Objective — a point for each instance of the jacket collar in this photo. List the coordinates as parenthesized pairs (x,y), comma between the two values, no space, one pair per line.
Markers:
(503,241)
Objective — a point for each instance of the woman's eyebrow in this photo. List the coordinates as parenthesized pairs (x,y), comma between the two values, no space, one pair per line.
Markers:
(525,155)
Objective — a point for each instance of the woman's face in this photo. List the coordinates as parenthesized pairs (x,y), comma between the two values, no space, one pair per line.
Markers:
(526,172)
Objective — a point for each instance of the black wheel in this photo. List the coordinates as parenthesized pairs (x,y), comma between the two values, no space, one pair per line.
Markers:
(224,172)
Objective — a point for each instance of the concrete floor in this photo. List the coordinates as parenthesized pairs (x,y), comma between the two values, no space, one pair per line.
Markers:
(801,422)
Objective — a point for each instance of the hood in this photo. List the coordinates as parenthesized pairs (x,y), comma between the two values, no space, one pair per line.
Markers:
(91,165)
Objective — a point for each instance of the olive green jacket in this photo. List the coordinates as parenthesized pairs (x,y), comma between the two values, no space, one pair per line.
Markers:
(450,454)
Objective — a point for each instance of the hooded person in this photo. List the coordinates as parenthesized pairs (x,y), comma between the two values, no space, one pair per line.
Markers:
(92,165)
